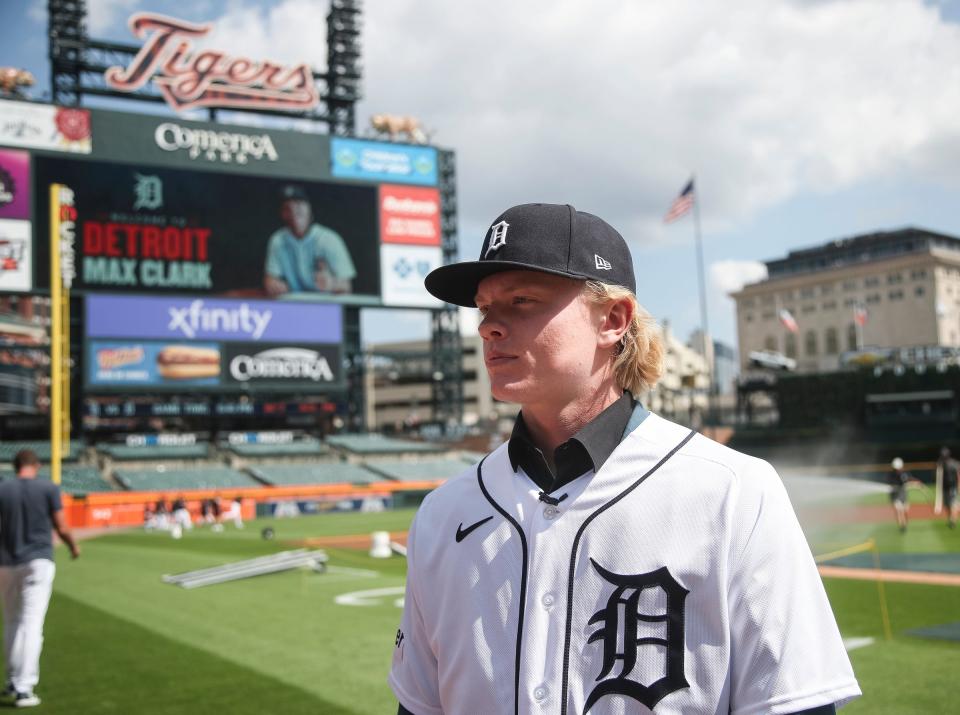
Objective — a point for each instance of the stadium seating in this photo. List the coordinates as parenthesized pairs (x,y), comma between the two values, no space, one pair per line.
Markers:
(367,445)
(144,453)
(74,479)
(177,479)
(42,448)
(420,470)
(303,448)
(326,473)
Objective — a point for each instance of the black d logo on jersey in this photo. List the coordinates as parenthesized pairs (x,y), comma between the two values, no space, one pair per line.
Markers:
(621,622)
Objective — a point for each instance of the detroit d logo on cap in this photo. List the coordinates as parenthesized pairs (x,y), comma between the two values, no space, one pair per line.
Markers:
(498,237)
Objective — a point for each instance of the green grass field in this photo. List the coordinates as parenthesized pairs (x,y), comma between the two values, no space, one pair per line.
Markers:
(118,640)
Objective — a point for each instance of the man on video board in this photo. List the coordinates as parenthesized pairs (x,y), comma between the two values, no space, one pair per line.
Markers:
(304,256)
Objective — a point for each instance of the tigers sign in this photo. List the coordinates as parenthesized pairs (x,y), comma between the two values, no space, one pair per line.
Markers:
(188,78)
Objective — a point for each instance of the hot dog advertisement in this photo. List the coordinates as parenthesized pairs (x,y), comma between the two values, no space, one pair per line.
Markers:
(140,364)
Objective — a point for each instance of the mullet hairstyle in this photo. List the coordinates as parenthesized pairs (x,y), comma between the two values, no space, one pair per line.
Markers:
(639,361)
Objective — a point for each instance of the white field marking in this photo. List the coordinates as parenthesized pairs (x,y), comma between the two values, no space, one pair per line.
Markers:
(854,643)
(373,597)
(347,571)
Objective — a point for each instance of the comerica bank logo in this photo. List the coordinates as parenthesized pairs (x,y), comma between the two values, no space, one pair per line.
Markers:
(226,147)
(282,364)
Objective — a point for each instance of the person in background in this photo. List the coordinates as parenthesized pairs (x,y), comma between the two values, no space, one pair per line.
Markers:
(30,510)
(235,512)
(898,479)
(304,256)
(181,515)
(161,517)
(949,474)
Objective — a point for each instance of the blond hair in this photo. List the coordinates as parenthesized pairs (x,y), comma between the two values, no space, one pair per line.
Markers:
(639,363)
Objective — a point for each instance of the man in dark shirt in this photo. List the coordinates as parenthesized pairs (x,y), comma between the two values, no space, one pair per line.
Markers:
(30,510)
(949,469)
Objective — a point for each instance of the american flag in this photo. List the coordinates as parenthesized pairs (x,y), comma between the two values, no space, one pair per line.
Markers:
(682,204)
(860,314)
(789,322)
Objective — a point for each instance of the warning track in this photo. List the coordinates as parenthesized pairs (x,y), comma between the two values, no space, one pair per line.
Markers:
(916,577)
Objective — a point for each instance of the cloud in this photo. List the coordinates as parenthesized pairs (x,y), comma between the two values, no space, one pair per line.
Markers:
(37,11)
(729,276)
(726,277)
(611,105)
(103,14)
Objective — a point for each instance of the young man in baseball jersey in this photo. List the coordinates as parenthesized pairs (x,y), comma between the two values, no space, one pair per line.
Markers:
(30,511)
(604,560)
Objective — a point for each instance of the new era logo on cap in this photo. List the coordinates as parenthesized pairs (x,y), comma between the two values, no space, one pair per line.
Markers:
(550,238)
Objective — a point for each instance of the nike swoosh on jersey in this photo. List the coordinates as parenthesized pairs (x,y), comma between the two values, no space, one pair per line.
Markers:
(464,533)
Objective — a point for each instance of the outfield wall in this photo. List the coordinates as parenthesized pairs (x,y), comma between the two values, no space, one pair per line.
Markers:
(125,509)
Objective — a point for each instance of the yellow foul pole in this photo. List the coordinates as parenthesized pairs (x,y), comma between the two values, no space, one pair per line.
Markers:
(62,225)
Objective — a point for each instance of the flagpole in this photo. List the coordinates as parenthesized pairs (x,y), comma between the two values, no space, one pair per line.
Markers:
(704,326)
(859,327)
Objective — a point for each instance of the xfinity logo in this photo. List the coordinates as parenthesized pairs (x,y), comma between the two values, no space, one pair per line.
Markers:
(225,146)
(196,318)
(282,364)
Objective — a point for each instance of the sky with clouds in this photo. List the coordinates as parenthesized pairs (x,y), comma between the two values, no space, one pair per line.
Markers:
(803,120)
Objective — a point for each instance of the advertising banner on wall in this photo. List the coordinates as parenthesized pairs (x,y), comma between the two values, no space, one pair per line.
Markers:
(146,229)
(403,269)
(409,214)
(14,184)
(197,319)
(16,256)
(234,345)
(410,244)
(383,161)
(117,363)
(175,142)
(282,365)
(226,366)
(44,126)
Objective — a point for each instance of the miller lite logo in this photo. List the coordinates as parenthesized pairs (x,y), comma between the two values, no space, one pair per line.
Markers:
(210,78)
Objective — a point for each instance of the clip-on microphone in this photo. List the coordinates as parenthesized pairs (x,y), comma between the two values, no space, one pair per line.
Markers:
(552,501)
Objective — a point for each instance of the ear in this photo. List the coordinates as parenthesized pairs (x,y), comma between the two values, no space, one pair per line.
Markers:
(615,319)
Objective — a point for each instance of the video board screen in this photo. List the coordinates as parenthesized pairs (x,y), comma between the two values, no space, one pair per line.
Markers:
(144,229)
(186,343)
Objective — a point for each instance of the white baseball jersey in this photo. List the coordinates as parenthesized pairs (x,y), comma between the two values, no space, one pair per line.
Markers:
(674,579)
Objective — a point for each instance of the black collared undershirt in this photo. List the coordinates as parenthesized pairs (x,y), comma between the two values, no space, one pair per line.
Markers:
(587,450)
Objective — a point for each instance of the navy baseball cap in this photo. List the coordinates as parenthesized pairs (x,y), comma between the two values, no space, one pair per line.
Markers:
(292,192)
(549,238)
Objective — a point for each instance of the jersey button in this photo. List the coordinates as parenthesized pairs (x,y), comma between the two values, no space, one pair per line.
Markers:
(547,600)
(550,513)
(539,693)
